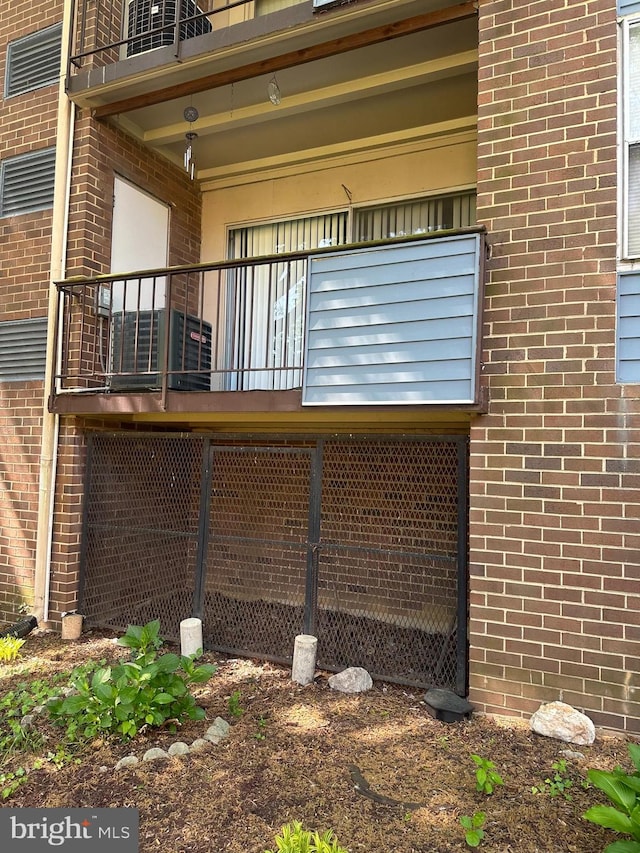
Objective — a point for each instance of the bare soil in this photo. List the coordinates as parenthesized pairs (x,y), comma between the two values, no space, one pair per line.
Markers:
(290,756)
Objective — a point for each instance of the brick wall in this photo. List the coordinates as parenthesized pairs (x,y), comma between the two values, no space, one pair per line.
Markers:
(555,468)
(101,152)
(27,123)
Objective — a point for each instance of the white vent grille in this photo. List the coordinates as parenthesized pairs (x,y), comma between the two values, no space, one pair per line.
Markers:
(23,347)
(27,182)
(33,61)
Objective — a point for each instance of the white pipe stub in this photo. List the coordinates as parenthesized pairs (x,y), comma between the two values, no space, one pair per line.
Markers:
(191,637)
(304,658)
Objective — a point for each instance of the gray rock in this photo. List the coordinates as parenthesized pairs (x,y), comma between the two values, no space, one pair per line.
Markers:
(355,679)
(200,745)
(103,768)
(217,731)
(26,722)
(178,748)
(559,720)
(571,755)
(127,761)
(154,754)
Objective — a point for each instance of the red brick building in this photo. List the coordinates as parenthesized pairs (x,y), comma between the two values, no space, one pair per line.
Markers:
(366,367)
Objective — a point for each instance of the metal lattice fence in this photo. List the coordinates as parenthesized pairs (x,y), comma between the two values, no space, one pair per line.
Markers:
(361,542)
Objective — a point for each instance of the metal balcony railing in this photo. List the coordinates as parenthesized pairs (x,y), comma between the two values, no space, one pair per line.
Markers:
(391,321)
(106,31)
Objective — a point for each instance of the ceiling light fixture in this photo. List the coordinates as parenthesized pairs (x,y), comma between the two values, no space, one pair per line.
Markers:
(273,91)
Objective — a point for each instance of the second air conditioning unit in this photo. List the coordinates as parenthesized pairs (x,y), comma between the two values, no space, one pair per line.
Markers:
(146,19)
(137,351)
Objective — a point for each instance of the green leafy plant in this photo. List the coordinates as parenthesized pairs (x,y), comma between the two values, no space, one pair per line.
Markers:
(558,784)
(262,729)
(10,648)
(473,826)
(148,690)
(294,839)
(233,705)
(486,776)
(10,781)
(623,816)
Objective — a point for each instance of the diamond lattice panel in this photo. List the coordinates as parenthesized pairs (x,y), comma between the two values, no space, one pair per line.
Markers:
(141,530)
(257,555)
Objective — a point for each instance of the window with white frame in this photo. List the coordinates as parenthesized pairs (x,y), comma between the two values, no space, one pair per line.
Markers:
(33,61)
(27,182)
(631,139)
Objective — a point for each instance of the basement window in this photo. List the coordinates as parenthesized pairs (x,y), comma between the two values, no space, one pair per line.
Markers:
(33,61)
(27,182)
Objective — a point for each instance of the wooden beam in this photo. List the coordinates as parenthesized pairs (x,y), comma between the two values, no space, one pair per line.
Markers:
(416,24)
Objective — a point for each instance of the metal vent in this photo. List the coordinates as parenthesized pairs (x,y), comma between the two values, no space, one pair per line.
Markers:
(23,347)
(33,61)
(27,182)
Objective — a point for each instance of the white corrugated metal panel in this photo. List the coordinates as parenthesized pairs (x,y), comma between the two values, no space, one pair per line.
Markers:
(23,346)
(27,182)
(33,61)
(394,324)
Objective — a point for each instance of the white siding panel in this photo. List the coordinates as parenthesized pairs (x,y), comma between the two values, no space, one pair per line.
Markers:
(394,324)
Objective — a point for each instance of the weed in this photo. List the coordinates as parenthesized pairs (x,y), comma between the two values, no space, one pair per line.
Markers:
(486,776)
(624,792)
(262,729)
(233,705)
(10,648)
(473,826)
(294,839)
(558,783)
(10,781)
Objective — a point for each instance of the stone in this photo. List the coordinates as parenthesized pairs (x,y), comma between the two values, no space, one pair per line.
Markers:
(26,723)
(304,659)
(217,731)
(572,755)
(178,748)
(200,745)
(154,754)
(127,761)
(355,679)
(561,721)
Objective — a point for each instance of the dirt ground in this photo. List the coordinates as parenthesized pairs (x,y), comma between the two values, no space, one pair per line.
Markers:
(290,754)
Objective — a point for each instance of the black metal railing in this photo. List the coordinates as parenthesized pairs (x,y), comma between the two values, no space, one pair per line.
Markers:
(106,31)
(147,330)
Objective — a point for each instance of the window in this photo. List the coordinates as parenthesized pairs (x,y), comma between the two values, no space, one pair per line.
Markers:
(417,216)
(33,61)
(23,347)
(631,140)
(26,182)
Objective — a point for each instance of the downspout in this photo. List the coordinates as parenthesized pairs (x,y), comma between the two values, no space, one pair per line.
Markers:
(57,270)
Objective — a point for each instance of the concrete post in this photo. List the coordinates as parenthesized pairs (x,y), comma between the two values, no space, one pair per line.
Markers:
(304,658)
(190,636)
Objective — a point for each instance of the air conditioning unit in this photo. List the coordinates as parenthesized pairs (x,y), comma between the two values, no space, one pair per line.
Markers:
(149,15)
(137,349)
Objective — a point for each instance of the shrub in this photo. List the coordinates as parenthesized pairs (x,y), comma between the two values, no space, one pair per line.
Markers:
(624,792)
(10,648)
(148,690)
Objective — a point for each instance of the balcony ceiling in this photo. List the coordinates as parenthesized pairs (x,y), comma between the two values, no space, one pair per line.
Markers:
(386,90)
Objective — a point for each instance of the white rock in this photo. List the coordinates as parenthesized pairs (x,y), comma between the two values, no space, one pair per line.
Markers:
(559,720)
(200,745)
(178,748)
(355,679)
(127,761)
(217,731)
(154,753)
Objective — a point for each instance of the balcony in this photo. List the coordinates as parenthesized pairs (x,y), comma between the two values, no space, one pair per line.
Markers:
(381,70)
(394,323)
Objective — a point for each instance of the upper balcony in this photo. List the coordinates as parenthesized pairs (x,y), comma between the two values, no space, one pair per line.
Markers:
(380,69)
(392,323)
